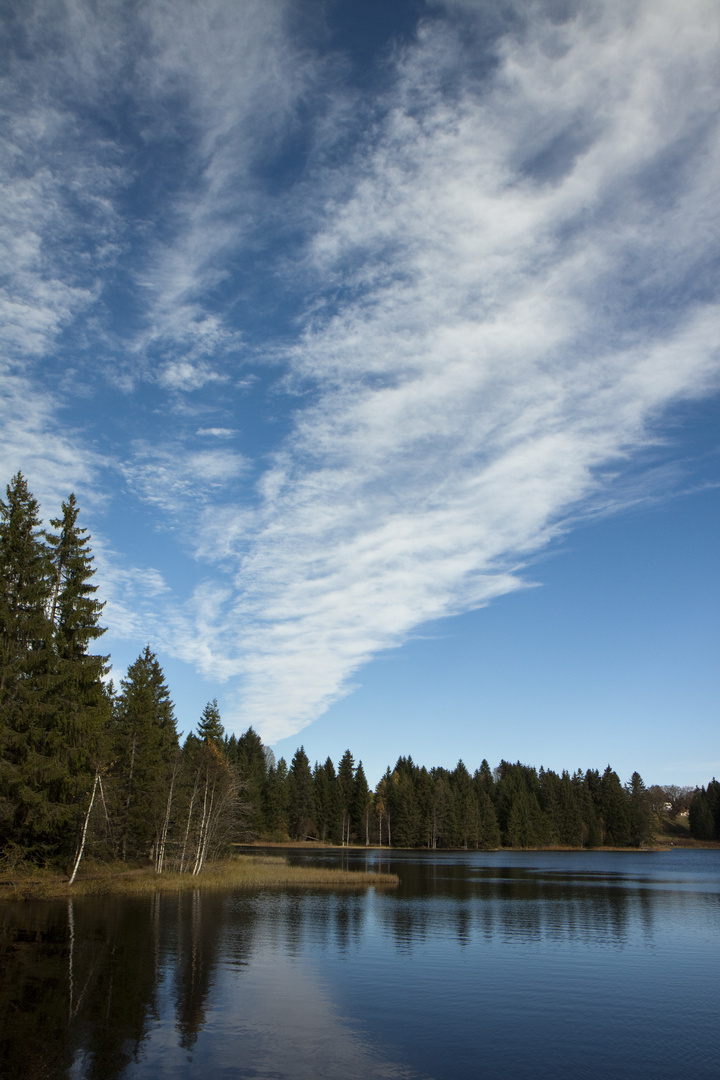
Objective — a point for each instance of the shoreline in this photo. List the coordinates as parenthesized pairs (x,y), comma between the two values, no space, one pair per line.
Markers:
(313,845)
(249,868)
(242,871)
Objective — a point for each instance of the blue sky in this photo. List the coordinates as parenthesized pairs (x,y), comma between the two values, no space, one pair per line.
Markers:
(379,344)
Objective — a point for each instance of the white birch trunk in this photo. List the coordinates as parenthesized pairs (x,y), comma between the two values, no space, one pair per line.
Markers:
(208,833)
(163,835)
(187,827)
(84,832)
(201,833)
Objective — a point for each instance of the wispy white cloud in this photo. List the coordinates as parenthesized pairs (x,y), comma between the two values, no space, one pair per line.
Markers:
(184,375)
(178,480)
(131,152)
(216,432)
(33,440)
(242,75)
(60,172)
(517,326)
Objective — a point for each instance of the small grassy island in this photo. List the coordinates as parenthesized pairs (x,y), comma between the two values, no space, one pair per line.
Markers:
(238,871)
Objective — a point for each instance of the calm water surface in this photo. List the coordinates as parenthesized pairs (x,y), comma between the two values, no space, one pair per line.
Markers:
(587,964)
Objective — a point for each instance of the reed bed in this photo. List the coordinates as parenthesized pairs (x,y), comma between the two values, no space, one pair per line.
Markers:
(240,871)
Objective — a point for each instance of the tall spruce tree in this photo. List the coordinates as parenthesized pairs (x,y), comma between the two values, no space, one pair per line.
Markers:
(276,800)
(702,822)
(144,742)
(301,801)
(80,706)
(640,812)
(26,675)
(435,804)
(252,772)
(322,796)
(614,807)
(362,805)
(346,785)
(210,727)
(464,807)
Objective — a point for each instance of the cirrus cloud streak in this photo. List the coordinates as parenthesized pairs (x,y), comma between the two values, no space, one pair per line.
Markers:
(524,263)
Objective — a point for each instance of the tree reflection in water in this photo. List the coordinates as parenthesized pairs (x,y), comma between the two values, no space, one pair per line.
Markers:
(85,983)
(425,980)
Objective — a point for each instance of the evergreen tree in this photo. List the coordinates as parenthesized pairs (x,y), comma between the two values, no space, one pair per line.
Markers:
(702,822)
(464,808)
(439,809)
(403,804)
(301,801)
(335,813)
(383,808)
(252,771)
(614,807)
(488,831)
(520,816)
(425,791)
(74,611)
(26,675)
(361,805)
(276,800)
(641,815)
(326,798)
(210,728)
(144,738)
(484,778)
(713,796)
(561,806)
(525,824)
(346,784)
(79,708)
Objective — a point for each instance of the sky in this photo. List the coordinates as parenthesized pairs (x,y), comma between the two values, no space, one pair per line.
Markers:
(379,345)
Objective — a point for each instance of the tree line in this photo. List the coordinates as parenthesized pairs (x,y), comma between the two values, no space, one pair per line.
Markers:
(87,767)
(513,805)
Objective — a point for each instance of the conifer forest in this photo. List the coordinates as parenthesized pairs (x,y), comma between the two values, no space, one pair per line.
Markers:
(88,768)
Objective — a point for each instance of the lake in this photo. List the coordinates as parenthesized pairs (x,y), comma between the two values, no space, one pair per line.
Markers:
(482,965)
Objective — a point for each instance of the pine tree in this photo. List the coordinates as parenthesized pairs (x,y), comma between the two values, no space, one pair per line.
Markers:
(210,728)
(145,739)
(361,805)
(276,800)
(614,806)
(74,611)
(80,705)
(464,807)
(26,675)
(302,803)
(713,795)
(403,804)
(640,812)
(435,800)
(384,808)
(488,831)
(484,778)
(589,785)
(346,782)
(323,799)
(252,772)
(702,823)
(520,815)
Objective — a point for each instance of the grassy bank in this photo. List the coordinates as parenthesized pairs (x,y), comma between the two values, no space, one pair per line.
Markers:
(240,871)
